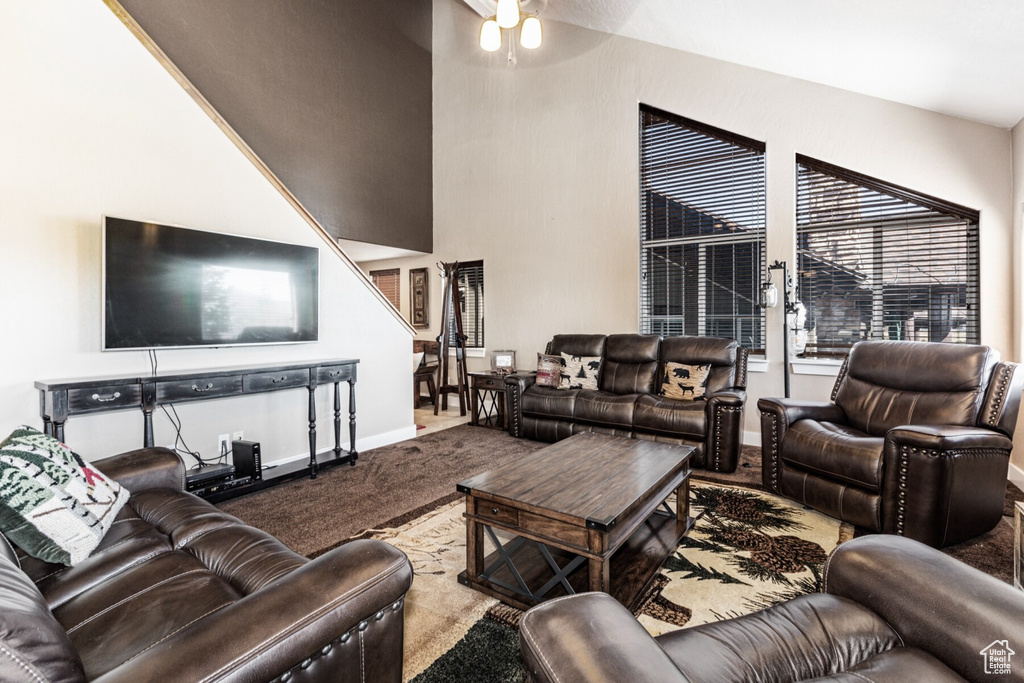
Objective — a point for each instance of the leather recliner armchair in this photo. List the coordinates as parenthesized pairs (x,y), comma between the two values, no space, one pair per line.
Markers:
(915,442)
(886,615)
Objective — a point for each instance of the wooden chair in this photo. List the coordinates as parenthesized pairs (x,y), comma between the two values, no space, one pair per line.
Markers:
(427,370)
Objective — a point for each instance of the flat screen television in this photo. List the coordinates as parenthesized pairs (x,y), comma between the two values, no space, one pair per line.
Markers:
(171,287)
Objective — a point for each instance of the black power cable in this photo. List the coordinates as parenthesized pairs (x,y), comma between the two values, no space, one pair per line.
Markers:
(180,446)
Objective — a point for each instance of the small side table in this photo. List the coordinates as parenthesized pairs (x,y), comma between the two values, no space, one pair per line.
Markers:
(487,400)
(1018,544)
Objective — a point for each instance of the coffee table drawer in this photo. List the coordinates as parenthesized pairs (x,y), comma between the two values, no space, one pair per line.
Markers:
(497,512)
(568,534)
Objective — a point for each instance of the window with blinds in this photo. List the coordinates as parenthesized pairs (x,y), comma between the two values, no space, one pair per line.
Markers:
(387,282)
(702,227)
(470,288)
(878,261)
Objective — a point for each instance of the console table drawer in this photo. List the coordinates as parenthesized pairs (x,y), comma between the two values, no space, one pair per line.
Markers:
(104,398)
(336,373)
(269,381)
(192,390)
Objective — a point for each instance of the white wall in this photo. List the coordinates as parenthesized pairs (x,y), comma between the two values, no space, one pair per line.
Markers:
(91,124)
(536,172)
(1017,211)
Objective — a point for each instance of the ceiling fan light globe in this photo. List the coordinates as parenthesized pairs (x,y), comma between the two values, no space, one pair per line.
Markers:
(507,14)
(531,35)
(490,36)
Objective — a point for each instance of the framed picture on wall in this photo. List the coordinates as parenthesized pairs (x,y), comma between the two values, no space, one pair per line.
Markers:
(419,298)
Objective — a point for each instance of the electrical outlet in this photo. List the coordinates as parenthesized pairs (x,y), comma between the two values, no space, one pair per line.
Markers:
(223,444)
(236,436)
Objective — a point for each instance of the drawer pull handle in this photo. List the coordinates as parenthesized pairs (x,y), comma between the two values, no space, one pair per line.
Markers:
(333,373)
(494,511)
(278,380)
(106,399)
(208,386)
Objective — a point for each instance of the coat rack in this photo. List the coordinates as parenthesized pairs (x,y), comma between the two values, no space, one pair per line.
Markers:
(452,306)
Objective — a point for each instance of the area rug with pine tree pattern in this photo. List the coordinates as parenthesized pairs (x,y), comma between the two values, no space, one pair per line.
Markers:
(747,550)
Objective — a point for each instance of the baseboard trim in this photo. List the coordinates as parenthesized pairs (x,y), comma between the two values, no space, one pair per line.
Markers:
(1017,476)
(362,444)
(751,438)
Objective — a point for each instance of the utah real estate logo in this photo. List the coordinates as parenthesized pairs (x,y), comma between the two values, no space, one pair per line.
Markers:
(997,657)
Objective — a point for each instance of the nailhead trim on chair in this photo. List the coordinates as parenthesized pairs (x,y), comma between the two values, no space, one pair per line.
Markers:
(1004,379)
(774,452)
(840,377)
(341,640)
(513,396)
(718,433)
(905,452)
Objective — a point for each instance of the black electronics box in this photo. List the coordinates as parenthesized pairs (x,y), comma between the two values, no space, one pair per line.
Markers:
(207,475)
(212,487)
(246,455)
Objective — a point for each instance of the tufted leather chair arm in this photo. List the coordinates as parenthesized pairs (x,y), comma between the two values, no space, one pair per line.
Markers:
(515,385)
(931,600)
(145,468)
(777,414)
(591,638)
(925,480)
(291,627)
(1002,399)
(725,429)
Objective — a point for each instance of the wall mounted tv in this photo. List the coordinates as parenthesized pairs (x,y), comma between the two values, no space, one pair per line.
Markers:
(166,286)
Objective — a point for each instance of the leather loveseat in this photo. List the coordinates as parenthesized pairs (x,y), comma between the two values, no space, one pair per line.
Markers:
(627,403)
(916,440)
(179,591)
(893,611)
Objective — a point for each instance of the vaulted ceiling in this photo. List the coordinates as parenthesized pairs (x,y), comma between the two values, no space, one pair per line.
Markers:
(960,58)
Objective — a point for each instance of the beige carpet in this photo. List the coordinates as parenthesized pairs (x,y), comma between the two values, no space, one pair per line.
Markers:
(748,550)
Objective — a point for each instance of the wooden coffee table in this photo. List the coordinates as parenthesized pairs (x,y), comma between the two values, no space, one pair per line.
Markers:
(584,514)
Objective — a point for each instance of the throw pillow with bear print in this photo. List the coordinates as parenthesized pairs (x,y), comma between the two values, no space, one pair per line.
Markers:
(579,372)
(685,382)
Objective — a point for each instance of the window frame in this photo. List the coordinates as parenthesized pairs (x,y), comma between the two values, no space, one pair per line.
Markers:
(376,276)
(475,336)
(939,215)
(697,315)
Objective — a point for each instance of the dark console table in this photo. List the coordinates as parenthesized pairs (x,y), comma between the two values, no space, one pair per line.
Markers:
(60,399)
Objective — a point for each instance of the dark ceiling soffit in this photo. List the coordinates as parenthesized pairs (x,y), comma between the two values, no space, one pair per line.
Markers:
(235,138)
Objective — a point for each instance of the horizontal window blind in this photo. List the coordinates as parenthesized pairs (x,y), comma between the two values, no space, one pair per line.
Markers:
(702,227)
(878,261)
(388,284)
(470,288)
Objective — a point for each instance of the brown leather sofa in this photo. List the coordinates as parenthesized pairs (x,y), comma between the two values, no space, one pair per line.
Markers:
(626,402)
(916,440)
(179,591)
(893,611)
